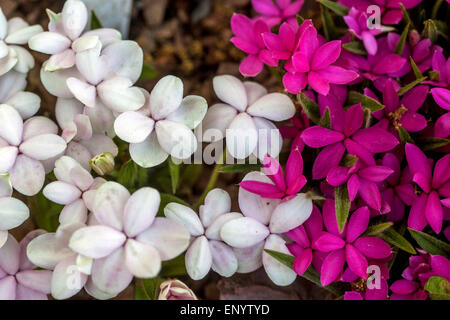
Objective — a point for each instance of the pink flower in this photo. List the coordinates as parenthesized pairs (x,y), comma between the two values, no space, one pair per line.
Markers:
(428,207)
(346,134)
(275,12)
(391,12)
(248,38)
(284,188)
(416,275)
(347,246)
(313,64)
(299,123)
(441,95)
(422,50)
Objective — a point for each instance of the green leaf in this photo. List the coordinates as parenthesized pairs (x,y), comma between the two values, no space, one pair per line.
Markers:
(147,73)
(309,107)
(396,239)
(436,7)
(240,168)
(355,97)
(173,268)
(335,7)
(191,174)
(430,244)
(300,19)
(438,288)
(348,160)
(406,16)
(404,135)
(342,205)
(401,43)
(167,198)
(139,293)
(149,289)
(325,121)
(377,229)
(286,259)
(416,70)
(355,47)
(328,23)
(430,30)
(95,21)
(128,174)
(434,143)
(409,86)
(44,212)
(174,170)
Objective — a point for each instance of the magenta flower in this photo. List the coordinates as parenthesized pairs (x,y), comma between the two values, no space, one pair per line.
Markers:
(416,275)
(441,95)
(304,237)
(391,12)
(400,112)
(427,208)
(284,187)
(313,64)
(299,124)
(248,38)
(422,50)
(273,13)
(357,24)
(397,190)
(347,247)
(346,134)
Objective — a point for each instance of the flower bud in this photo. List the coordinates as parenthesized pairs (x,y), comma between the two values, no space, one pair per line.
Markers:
(102,163)
(175,290)
(430,30)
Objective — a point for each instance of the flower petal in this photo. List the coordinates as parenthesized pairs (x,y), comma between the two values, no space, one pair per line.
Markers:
(198,258)
(273,106)
(290,214)
(231,90)
(243,232)
(141,259)
(280,274)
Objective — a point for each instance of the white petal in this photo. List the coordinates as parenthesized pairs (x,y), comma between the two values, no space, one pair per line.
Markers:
(149,152)
(96,241)
(119,95)
(4,49)
(231,90)
(8,62)
(67,280)
(3,25)
(38,280)
(55,82)
(25,61)
(184,216)
(166,97)
(81,178)
(191,111)
(125,58)
(11,83)
(13,213)
(61,192)
(140,210)
(102,119)
(22,36)
(63,167)
(37,126)
(217,202)
(25,263)
(27,175)
(109,204)
(254,91)
(273,106)
(8,287)
(167,236)
(249,259)
(74,212)
(280,274)
(176,139)
(66,110)
(26,103)
(243,232)
(269,139)
(84,264)
(8,156)
(107,36)
(213,231)
(141,259)
(43,147)
(242,136)
(49,42)
(95,292)
(198,258)
(74,18)
(99,144)
(110,274)
(252,205)
(61,61)
(92,65)
(80,153)
(218,117)
(83,91)
(133,127)
(5,186)
(9,256)
(290,214)
(46,251)
(3,239)
(224,260)
(12,125)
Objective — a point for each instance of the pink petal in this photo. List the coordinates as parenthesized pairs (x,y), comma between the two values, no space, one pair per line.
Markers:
(266,7)
(353,119)
(441,172)
(337,75)
(308,42)
(415,98)
(294,82)
(404,287)
(303,261)
(327,159)
(356,261)
(328,242)
(418,162)
(434,212)
(357,224)
(294,168)
(375,140)
(317,137)
(326,54)
(353,187)
(318,83)
(251,66)
(274,171)
(332,267)
(265,190)
(416,219)
(337,176)
(300,62)
(370,193)
(375,173)
(389,64)
(329,217)
(413,122)
(372,247)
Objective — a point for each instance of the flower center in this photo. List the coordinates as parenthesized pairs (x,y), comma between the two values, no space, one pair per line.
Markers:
(397,115)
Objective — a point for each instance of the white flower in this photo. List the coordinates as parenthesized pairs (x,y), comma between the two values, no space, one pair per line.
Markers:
(24,145)
(207,250)
(264,221)
(245,117)
(14,33)
(163,126)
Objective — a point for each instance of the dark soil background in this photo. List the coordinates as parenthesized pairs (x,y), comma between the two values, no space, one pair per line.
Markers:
(189,39)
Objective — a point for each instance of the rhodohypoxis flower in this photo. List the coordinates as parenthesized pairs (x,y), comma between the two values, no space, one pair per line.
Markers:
(13,212)
(75,188)
(207,250)
(260,228)
(175,290)
(163,127)
(248,38)
(64,38)
(422,50)
(14,33)
(346,134)
(435,183)
(416,275)
(245,117)
(294,132)
(397,190)
(441,65)
(401,112)
(390,10)
(128,239)
(275,12)
(357,24)
(24,145)
(349,246)
(304,237)
(284,187)
(18,279)
(313,64)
